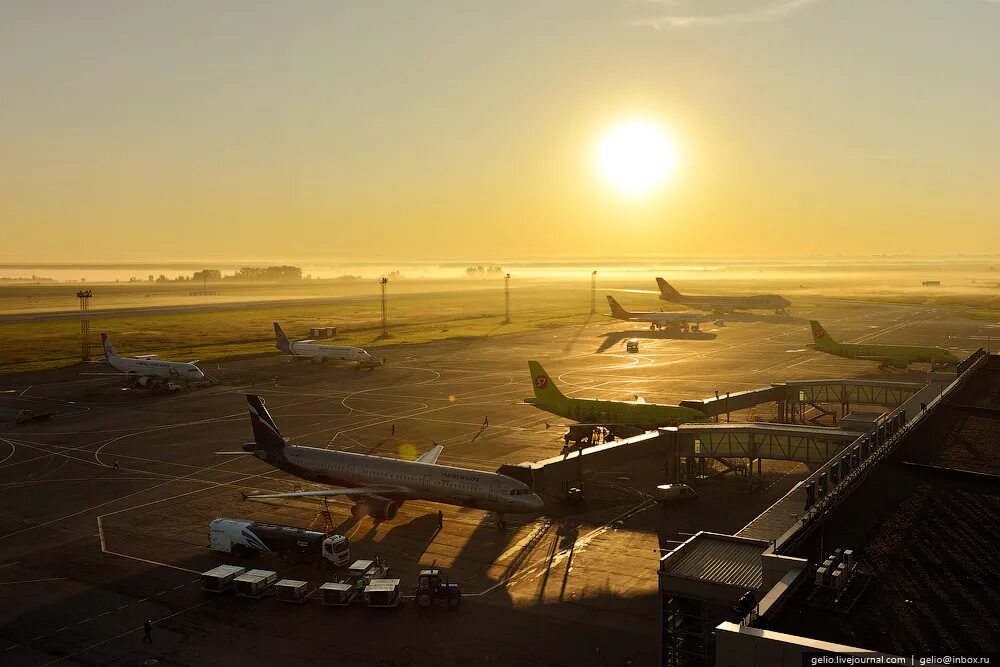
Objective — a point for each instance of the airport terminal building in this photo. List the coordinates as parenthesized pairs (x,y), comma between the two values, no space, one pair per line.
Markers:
(888,547)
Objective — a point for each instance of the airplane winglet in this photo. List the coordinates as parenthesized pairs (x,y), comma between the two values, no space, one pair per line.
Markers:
(431,455)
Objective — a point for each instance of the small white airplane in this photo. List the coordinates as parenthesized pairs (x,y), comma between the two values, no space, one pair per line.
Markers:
(682,320)
(380,485)
(320,352)
(148,371)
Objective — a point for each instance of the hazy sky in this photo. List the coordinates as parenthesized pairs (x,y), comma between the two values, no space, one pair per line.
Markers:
(237,129)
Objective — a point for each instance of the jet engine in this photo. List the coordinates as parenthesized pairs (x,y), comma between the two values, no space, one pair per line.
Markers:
(378,508)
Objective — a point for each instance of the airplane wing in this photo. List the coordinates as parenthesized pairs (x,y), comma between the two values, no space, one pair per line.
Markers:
(431,456)
(357,491)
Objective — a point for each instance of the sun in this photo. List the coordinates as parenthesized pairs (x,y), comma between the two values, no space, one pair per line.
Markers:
(636,156)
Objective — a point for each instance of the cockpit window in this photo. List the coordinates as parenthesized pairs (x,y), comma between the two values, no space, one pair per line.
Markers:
(519,492)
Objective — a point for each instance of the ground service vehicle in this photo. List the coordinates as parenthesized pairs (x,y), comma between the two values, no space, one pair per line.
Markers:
(244,538)
(432,585)
(668,494)
(632,345)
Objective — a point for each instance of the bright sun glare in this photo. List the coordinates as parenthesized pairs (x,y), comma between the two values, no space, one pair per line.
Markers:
(636,156)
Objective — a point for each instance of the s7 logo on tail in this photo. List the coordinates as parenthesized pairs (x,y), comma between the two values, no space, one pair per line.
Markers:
(541,382)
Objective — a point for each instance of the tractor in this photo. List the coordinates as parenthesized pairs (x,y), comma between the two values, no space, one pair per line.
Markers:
(433,585)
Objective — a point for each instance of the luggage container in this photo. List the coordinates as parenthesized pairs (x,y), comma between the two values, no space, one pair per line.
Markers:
(383,593)
(367,570)
(291,590)
(338,594)
(220,579)
(254,584)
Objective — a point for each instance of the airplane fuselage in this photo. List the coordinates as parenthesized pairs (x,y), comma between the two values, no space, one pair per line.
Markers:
(593,411)
(168,370)
(897,355)
(728,304)
(663,320)
(331,353)
(424,481)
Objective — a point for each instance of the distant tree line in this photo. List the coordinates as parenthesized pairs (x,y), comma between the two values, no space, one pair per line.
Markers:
(247,273)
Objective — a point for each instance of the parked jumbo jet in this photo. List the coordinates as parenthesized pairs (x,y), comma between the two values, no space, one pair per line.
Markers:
(897,356)
(683,321)
(321,352)
(636,413)
(724,304)
(148,371)
(381,484)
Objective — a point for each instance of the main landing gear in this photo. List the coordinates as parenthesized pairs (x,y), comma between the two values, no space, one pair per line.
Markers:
(501,524)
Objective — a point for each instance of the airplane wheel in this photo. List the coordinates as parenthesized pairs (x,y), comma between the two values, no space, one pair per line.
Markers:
(424,599)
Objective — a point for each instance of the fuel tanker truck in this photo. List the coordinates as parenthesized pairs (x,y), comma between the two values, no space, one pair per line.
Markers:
(242,537)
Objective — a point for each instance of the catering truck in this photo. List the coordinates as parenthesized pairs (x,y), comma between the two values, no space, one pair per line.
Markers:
(242,537)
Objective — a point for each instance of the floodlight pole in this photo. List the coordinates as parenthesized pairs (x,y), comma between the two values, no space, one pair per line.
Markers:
(593,292)
(84,296)
(506,298)
(385,310)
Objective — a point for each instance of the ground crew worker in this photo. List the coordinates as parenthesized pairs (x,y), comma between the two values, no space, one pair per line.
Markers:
(147,629)
(360,586)
(114,466)
(440,519)
(392,431)
(486,421)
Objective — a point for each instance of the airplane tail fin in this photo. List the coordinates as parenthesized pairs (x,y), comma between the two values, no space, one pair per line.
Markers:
(545,388)
(265,433)
(667,292)
(282,340)
(109,349)
(820,336)
(616,309)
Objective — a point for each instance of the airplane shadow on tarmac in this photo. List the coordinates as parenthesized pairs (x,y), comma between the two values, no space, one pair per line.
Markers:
(616,337)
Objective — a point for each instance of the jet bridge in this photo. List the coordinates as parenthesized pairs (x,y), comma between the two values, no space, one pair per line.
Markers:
(800,394)
(783,442)
(794,397)
(750,441)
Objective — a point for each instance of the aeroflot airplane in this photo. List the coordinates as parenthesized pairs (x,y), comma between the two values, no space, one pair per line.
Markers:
(724,304)
(148,370)
(320,352)
(380,484)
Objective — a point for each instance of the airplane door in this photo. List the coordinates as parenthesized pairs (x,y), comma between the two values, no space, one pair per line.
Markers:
(494,491)
(427,482)
(350,473)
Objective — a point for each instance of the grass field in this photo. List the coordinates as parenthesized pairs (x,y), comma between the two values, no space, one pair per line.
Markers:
(419,310)
(184,336)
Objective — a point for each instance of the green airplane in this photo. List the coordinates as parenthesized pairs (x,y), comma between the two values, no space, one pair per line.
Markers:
(897,356)
(636,413)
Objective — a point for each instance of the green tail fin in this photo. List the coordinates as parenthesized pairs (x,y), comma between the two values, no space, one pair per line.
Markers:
(545,388)
(820,336)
